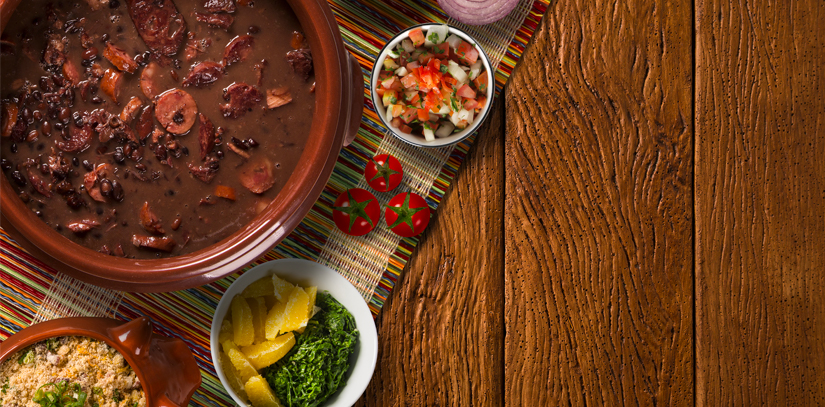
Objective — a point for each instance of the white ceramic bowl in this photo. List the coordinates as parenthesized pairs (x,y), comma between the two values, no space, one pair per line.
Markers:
(308,273)
(419,140)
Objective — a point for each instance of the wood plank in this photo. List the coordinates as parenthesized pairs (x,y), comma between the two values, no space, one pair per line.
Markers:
(441,332)
(598,210)
(760,203)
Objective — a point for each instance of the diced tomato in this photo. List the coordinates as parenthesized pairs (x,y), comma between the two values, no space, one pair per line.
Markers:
(415,100)
(423,115)
(397,110)
(384,74)
(466,92)
(434,64)
(470,104)
(417,37)
(411,81)
(396,122)
(405,129)
(425,57)
(441,50)
(380,91)
(429,79)
(449,80)
(433,100)
(433,125)
(387,83)
(481,102)
(409,114)
(390,97)
(481,82)
(467,53)
(412,65)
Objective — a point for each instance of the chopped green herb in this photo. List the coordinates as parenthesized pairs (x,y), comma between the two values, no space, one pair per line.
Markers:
(443,69)
(5,386)
(117,396)
(52,344)
(62,394)
(433,37)
(27,357)
(315,366)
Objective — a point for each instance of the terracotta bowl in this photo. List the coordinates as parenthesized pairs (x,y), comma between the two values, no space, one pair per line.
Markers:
(338,106)
(165,366)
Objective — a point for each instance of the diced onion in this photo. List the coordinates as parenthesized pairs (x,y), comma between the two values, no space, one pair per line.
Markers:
(428,134)
(433,117)
(478,12)
(407,45)
(393,54)
(438,33)
(454,41)
(457,72)
(444,129)
(444,109)
(475,69)
(389,63)
(402,71)
(389,113)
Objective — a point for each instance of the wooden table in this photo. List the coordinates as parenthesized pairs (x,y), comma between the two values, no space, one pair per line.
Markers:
(642,220)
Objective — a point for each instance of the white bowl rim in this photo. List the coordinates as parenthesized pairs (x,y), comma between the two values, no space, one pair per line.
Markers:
(417,141)
(366,351)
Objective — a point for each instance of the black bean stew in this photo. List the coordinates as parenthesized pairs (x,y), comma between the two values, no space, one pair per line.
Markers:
(151,128)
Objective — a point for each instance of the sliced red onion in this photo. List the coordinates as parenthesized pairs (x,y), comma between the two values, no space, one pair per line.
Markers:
(478,12)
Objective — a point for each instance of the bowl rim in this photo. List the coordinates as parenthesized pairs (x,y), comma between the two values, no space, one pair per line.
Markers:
(309,270)
(266,229)
(378,104)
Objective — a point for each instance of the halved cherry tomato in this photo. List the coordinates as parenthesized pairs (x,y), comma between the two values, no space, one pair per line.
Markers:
(383,173)
(356,211)
(407,214)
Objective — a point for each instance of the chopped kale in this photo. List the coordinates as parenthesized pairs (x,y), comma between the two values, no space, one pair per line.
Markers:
(314,368)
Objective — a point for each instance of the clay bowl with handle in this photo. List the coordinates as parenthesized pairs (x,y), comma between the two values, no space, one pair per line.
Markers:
(338,104)
(166,368)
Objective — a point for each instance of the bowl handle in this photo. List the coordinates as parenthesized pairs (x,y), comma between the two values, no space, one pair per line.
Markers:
(357,96)
(135,334)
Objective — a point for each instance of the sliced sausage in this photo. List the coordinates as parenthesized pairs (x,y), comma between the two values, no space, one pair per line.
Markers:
(83,226)
(258,176)
(55,53)
(195,47)
(130,110)
(176,111)
(278,97)
(149,80)
(205,172)
(242,98)
(39,184)
(301,62)
(222,21)
(81,139)
(217,6)
(162,243)
(203,74)
(206,136)
(144,124)
(238,49)
(119,58)
(159,24)
(150,221)
(259,71)
(10,111)
(112,84)
(71,73)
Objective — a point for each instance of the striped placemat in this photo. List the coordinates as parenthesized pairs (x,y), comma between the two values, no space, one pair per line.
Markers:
(31,292)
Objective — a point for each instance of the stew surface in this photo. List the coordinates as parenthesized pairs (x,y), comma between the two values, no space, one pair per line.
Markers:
(152,128)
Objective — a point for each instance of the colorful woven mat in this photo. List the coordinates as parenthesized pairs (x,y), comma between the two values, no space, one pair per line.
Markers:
(31,292)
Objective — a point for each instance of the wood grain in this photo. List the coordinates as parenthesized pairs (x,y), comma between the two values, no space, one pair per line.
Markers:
(760,203)
(598,210)
(441,334)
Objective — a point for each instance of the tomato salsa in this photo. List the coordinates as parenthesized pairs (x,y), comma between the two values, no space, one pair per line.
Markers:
(433,84)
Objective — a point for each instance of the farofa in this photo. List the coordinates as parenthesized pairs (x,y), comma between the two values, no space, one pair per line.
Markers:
(100,370)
